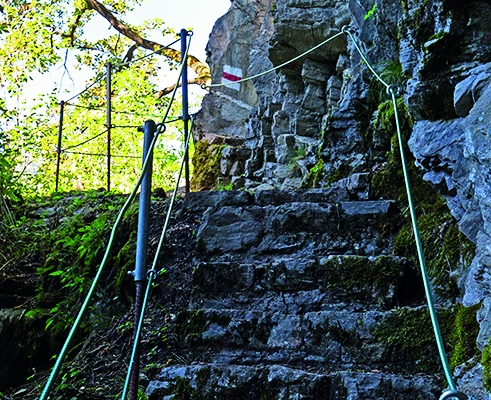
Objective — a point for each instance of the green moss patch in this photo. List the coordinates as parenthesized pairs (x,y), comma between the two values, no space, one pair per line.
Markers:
(364,278)
(446,248)
(206,165)
(464,335)
(408,339)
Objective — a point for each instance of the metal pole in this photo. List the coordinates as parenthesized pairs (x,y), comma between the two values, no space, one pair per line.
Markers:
(108,123)
(58,149)
(185,102)
(141,249)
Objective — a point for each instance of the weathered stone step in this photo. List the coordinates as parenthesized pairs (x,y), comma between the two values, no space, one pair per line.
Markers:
(341,338)
(279,382)
(299,226)
(384,281)
(200,201)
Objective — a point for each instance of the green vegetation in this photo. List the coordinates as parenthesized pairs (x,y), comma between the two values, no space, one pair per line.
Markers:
(486,363)
(464,335)
(371,12)
(69,251)
(362,279)
(53,38)
(408,339)
(206,165)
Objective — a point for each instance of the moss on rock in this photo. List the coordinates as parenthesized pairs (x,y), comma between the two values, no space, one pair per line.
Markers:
(408,339)
(464,335)
(362,278)
(206,165)
(446,248)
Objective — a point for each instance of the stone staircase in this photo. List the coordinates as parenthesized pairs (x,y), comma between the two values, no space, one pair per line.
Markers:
(297,295)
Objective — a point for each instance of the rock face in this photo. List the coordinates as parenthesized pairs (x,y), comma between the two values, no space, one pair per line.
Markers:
(319,121)
(288,304)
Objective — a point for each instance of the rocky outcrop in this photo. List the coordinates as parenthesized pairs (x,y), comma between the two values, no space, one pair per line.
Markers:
(288,303)
(322,120)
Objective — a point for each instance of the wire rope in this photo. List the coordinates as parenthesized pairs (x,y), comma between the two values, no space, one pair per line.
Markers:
(83,309)
(85,141)
(394,91)
(148,55)
(164,230)
(152,272)
(120,65)
(204,86)
(424,272)
(113,111)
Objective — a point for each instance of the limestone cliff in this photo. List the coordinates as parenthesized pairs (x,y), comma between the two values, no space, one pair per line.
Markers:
(322,120)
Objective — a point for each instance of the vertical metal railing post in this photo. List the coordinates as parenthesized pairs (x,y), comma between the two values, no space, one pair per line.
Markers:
(58,148)
(141,249)
(108,123)
(185,102)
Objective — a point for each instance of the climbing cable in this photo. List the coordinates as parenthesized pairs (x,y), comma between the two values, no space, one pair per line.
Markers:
(85,141)
(204,86)
(112,111)
(83,309)
(152,273)
(148,55)
(103,74)
(394,91)
(348,32)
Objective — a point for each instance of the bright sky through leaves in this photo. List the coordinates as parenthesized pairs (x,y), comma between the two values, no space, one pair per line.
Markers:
(196,14)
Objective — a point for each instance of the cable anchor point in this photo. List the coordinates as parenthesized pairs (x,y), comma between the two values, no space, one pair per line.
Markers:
(152,273)
(396,90)
(453,394)
(160,128)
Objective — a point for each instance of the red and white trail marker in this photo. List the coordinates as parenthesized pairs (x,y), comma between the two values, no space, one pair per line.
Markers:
(230,76)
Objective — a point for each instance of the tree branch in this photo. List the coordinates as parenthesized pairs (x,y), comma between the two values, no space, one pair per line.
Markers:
(169,89)
(201,69)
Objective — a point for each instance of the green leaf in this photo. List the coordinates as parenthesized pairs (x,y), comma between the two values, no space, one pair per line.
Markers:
(370,12)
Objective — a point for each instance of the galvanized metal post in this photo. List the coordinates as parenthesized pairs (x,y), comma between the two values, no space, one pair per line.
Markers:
(58,148)
(141,248)
(108,123)
(185,102)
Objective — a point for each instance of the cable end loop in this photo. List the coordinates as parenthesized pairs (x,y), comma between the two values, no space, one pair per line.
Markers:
(453,394)
(395,90)
(152,274)
(345,29)
(160,128)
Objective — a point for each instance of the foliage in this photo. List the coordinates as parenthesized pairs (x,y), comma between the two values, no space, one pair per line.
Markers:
(408,338)
(73,248)
(371,12)
(39,35)
(486,363)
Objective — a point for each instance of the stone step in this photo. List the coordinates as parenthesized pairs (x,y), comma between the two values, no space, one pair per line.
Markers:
(306,227)
(281,382)
(384,281)
(340,338)
(200,201)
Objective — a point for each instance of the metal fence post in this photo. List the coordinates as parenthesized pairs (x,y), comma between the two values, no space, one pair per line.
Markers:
(141,248)
(108,123)
(58,148)
(185,102)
